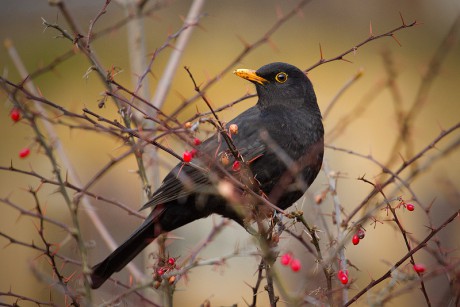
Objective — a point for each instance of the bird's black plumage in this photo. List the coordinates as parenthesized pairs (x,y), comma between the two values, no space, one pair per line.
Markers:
(281,138)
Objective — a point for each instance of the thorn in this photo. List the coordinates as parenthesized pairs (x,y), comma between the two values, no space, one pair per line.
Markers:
(39,91)
(402,19)
(44,209)
(300,13)
(39,186)
(57,248)
(321,52)
(371,33)
(69,278)
(200,26)
(36,227)
(402,158)
(345,60)
(243,41)
(397,41)
(273,45)
(279,12)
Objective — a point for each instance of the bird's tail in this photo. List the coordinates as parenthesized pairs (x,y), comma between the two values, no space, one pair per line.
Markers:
(120,257)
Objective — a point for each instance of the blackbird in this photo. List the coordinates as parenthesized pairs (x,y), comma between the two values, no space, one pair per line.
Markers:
(279,141)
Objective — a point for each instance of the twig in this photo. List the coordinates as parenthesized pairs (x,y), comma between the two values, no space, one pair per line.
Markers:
(404,165)
(20,298)
(332,180)
(403,233)
(50,254)
(220,127)
(406,119)
(247,48)
(93,22)
(167,76)
(341,91)
(372,37)
(49,150)
(403,259)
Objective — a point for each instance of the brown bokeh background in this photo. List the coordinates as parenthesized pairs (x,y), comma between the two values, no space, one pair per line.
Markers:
(337,26)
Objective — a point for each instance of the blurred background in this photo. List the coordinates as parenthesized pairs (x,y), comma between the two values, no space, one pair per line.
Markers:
(336,26)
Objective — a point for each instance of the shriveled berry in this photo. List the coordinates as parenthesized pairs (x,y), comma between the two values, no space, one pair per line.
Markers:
(318,199)
(23,153)
(419,268)
(233,129)
(196,141)
(171,261)
(410,207)
(286,259)
(15,115)
(187,156)
(188,125)
(296,265)
(236,166)
(224,159)
(172,279)
(355,240)
(361,233)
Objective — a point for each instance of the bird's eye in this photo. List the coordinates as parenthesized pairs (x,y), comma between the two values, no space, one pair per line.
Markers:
(281,77)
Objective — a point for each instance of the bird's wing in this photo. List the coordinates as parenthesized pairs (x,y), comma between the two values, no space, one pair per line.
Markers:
(186,179)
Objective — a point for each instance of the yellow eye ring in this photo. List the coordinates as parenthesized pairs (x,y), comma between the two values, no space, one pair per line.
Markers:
(281,77)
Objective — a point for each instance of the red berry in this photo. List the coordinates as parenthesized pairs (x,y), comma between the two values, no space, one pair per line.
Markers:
(171,261)
(361,234)
(286,259)
(15,115)
(296,265)
(343,277)
(419,268)
(24,152)
(236,166)
(161,271)
(410,207)
(355,240)
(187,156)
(196,141)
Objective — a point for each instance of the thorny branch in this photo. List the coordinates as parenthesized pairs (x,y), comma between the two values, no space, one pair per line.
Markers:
(403,259)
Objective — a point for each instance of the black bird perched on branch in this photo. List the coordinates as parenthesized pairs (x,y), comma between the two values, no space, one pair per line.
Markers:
(280,145)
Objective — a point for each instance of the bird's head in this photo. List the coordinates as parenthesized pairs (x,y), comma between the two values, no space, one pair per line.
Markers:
(280,83)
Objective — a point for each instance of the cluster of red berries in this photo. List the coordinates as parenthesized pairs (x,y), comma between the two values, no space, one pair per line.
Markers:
(189,155)
(169,265)
(294,263)
(16,116)
(359,235)
(342,275)
(164,266)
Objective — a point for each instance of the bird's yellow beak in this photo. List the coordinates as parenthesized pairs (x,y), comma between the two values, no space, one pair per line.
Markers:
(250,75)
